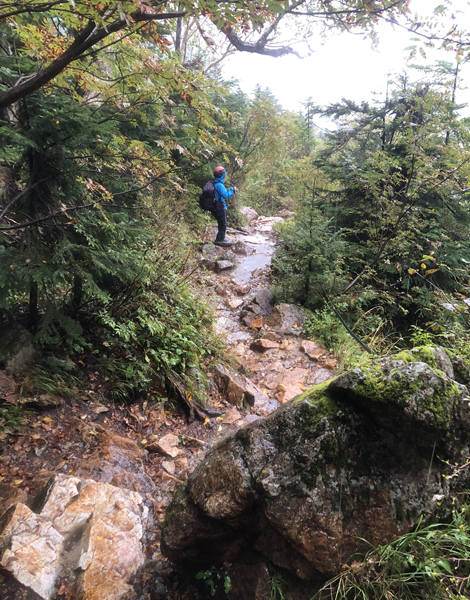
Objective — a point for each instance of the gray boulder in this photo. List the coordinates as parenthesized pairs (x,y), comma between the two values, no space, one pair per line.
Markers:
(287,319)
(349,460)
(17,351)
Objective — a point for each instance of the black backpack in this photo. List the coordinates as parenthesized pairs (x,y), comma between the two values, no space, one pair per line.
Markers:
(207,197)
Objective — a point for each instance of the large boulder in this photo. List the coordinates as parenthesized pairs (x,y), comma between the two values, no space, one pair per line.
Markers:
(17,351)
(287,319)
(349,460)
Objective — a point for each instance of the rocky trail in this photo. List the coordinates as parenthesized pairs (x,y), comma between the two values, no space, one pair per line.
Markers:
(110,470)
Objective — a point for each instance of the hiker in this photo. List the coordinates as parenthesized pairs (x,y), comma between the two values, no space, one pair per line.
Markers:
(219,214)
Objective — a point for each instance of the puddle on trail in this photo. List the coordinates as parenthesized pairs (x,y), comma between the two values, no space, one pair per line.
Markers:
(263,251)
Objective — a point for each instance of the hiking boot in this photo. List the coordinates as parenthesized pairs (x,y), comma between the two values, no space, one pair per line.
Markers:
(224,244)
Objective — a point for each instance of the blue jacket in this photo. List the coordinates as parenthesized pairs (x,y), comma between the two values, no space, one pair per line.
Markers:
(222,194)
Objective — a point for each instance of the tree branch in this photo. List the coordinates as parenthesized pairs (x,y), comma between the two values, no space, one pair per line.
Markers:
(86,39)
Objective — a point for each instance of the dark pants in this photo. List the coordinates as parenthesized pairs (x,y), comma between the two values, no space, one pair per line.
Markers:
(221,218)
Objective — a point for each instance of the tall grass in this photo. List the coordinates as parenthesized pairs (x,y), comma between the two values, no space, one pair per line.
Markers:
(429,563)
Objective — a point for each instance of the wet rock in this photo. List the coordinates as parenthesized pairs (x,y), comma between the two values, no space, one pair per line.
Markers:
(264,299)
(86,532)
(191,442)
(240,248)
(348,460)
(231,416)
(260,305)
(181,464)
(30,549)
(250,213)
(236,388)
(234,303)
(241,290)
(287,319)
(312,350)
(17,351)
(273,336)
(258,323)
(461,369)
(221,290)
(207,263)
(116,460)
(223,265)
(42,401)
(167,445)
(229,255)
(169,467)
(261,345)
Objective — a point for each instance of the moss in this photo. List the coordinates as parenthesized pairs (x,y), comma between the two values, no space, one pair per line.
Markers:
(426,354)
(419,354)
(378,388)
(438,403)
(320,401)
(405,356)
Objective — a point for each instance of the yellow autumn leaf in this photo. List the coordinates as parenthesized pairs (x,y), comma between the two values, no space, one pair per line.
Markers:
(144,442)
(411,271)
(423,266)
(431,271)
(47,420)
(206,420)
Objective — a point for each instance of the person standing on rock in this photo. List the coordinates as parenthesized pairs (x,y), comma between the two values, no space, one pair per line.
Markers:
(219,213)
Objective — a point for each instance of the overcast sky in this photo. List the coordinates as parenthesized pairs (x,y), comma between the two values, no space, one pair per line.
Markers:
(345,66)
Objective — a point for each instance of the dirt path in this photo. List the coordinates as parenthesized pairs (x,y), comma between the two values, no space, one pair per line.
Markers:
(92,438)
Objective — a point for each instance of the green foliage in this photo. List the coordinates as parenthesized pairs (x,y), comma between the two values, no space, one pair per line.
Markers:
(11,415)
(400,204)
(311,254)
(53,376)
(278,587)
(214,578)
(271,146)
(429,562)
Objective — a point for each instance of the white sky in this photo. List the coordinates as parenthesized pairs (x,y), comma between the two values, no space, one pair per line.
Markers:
(345,66)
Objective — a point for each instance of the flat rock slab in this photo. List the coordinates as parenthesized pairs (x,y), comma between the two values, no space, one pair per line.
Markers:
(234,303)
